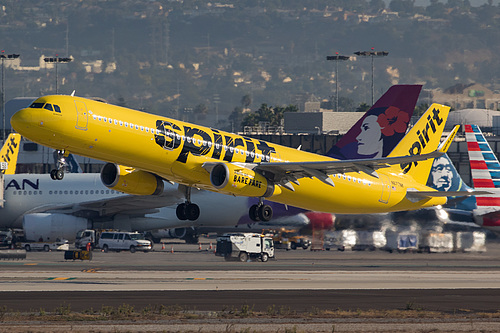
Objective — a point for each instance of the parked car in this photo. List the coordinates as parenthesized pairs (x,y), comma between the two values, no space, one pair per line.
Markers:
(121,240)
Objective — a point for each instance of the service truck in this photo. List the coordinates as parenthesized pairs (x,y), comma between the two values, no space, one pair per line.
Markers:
(244,246)
(86,240)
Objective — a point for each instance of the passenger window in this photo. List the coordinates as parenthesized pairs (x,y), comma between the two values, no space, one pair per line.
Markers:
(57,108)
(121,237)
(48,107)
(127,237)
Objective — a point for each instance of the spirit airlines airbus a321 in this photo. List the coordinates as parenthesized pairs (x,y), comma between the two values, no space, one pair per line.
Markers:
(144,148)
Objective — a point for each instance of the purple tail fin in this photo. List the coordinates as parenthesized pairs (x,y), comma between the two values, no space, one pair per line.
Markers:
(381,128)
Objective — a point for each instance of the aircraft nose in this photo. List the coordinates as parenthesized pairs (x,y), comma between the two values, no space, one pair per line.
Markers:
(21,120)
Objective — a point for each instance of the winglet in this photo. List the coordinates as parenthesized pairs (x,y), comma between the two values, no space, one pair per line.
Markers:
(9,153)
(445,145)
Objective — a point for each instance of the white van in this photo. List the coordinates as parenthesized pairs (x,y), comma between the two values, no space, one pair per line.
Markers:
(118,240)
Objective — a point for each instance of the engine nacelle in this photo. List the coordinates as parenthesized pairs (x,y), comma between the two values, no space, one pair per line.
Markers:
(130,180)
(49,227)
(236,180)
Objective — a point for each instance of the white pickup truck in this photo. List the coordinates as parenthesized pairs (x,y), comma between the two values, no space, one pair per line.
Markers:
(59,245)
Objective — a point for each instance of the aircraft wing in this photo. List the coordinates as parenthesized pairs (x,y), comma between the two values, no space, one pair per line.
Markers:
(126,204)
(286,172)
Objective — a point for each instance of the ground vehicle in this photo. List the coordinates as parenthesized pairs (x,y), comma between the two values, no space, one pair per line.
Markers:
(84,237)
(121,240)
(244,246)
(58,245)
(290,239)
(7,239)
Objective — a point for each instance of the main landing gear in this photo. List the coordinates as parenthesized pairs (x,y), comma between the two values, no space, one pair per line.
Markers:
(58,174)
(187,210)
(261,212)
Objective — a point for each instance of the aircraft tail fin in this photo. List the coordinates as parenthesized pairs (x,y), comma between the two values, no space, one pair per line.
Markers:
(485,168)
(392,112)
(424,137)
(445,177)
(9,153)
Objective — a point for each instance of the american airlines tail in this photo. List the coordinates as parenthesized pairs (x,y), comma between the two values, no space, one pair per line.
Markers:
(485,170)
(9,153)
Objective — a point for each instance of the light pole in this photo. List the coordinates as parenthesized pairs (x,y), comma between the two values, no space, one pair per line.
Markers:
(337,58)
(4,57)
(372,54)
(57,60)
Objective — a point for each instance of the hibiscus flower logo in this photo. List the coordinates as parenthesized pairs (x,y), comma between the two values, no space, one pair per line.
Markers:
(393,120)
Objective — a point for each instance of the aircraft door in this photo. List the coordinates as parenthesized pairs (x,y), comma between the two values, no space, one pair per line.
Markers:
(82,116)
(386,188)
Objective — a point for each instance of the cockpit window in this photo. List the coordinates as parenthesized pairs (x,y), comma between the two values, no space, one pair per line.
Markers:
(48,107)
(57,108)
(36,105)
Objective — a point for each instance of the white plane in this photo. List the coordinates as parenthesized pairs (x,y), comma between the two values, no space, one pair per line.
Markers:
(49,210)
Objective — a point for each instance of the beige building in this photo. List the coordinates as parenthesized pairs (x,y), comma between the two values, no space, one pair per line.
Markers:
(471,96)
(320,122)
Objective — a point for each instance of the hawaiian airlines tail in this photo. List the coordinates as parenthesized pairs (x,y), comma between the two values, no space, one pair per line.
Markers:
(392,113)
(9,153)
(423,138)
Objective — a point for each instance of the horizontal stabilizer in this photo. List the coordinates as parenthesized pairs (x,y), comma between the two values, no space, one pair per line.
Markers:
(415,195)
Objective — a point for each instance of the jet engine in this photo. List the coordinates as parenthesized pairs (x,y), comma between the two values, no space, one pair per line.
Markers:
(130,180)
(237,180)
(49,227)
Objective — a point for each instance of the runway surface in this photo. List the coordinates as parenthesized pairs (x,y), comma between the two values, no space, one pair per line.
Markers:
(301,280)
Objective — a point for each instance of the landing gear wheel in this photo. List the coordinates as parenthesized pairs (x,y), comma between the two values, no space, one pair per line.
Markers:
(59,174)
(192,211)
(254,215)
(243,256)
(181,212)
(265,213)
(264,257)
(53,174)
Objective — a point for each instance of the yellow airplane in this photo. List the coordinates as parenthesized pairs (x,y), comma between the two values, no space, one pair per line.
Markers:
(143,149)
(9,153)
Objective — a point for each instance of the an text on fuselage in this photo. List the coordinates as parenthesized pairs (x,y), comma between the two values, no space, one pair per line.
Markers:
(423,138)
(211,143)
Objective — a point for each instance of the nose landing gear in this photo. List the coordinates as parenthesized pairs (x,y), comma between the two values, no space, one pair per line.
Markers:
(58,173)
